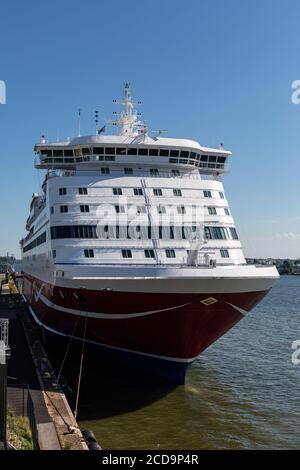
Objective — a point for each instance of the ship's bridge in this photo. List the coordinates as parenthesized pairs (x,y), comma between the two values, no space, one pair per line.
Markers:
(141,151)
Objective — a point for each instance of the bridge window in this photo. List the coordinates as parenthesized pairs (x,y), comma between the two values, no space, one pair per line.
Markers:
(184,154)
(164,153)
(86,151)
(153,152)
(68,153)
(132,151)
(121,151)
(174,153)
(143,152)
(57,153)
(98,150)
(110,150)
(233,233)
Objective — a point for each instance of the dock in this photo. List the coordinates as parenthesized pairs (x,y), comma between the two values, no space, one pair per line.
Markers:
(33,390)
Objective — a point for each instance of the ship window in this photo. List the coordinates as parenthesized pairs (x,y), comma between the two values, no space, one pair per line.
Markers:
(170,254)
(204,158)
(175,172)
(57,153)
(53,253)
(62,191)
(226,211)
(121,151)
(224,253)
(38,241)
(98,150)
(173,160)
(86,151)
(149,253)
(68,153)
(84,208)
(192,155)
(141,209)
(221,195)
(82,191)
(212,159)
(89,253)
(177,192)
(126,253)
(110,150)
(161,209)
(105,171)
(63,209)
(207,193)
(233,233)
(184,154)
(143,151)
(212,210)
(128,171)
(153,152)
(52,210)
(120,209)
(174,153)
(109,158)
(157,192)
(181,210)
(221,159)
(138,191)
(154,171)
(117,191)
(164,153)
(132,151)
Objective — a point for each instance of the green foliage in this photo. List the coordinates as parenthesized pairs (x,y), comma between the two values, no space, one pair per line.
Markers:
(18,431)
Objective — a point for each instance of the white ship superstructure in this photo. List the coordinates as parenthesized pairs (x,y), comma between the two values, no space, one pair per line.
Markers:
(132,240)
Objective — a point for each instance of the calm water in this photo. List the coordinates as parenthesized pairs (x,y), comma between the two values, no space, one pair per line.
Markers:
(243,392)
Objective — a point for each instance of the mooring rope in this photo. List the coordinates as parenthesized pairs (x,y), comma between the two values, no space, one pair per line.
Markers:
(67,350)
(80,369)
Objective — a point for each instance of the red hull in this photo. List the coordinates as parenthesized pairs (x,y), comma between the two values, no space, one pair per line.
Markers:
(174,333)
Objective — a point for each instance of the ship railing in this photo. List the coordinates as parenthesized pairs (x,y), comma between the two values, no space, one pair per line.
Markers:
(205,260)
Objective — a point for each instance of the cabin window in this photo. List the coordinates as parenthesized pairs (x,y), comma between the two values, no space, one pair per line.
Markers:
(117,191)
(149,253)
(143,152)
(68,153)
(138,191)
(170,254)
(84,208)
(154,171)
(82,191)
(226,211)
(141,209)
(153,152)
(132,151)
(233,233)
(62,191)
(221,195)
(174,153)
(157,192)
(207,193)
(175,172)
(221,159)
(184,154)
(53,253)
(126,253)
(51,210)
(89,253)
(212,210)
(57,153)
(63,209)
(105,171)
(161,209)
(164,153)
(224,253)
(86,151)
(128,171)
(177,192)
(181,210)
(120,209)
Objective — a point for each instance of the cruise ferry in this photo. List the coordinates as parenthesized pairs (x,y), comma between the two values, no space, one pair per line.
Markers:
(132,246)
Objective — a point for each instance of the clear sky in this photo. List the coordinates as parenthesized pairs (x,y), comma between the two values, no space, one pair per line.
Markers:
(211,70)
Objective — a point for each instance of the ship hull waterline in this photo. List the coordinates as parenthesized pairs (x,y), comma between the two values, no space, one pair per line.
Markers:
(158,332)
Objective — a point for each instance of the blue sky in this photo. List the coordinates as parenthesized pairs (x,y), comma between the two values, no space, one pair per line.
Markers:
(211,70)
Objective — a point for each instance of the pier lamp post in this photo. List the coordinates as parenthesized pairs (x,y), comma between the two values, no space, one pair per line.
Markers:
(4,357)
